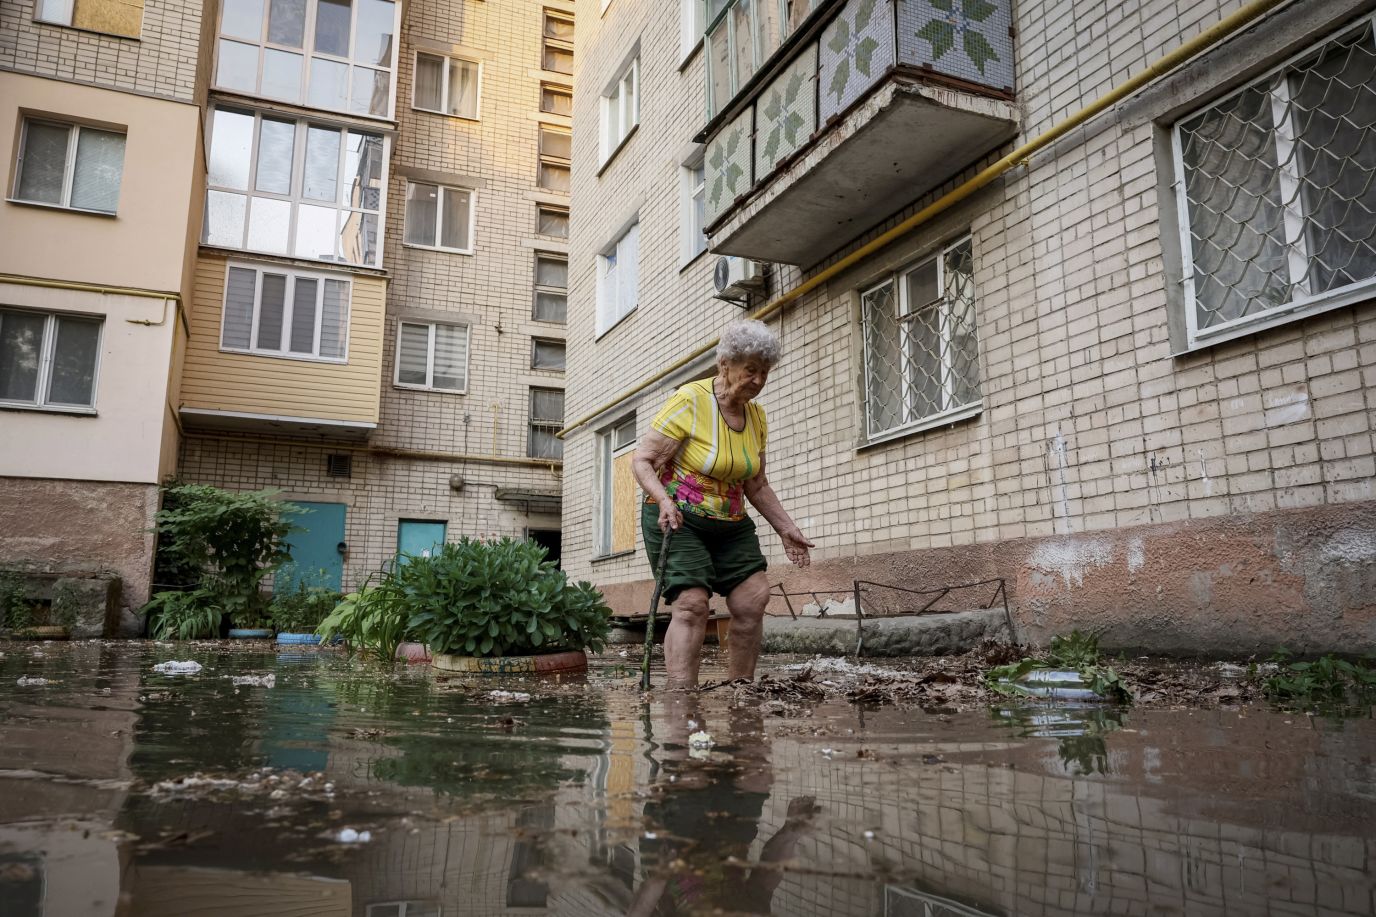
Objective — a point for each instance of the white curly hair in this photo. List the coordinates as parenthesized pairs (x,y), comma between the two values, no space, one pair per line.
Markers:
(747,338)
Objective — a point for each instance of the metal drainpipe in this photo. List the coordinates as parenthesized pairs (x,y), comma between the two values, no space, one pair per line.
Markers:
(1208,38)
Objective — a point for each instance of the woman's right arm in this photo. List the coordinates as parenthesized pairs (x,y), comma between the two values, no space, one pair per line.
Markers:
(652,456)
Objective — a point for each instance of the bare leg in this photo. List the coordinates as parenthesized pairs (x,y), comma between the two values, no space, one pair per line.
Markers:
(647,897)
(747,603)
(683,642)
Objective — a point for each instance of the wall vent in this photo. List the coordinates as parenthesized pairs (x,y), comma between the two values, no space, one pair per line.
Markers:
(339,465)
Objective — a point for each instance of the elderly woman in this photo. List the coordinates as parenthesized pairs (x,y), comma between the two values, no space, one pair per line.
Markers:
(700,462)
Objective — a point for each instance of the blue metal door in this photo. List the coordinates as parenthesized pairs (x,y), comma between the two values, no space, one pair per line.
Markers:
(418,539)
(316,560)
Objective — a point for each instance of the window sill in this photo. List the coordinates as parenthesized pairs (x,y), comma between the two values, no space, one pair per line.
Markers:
(42,205)
(620,144)
(77,28)
(438,248)
(48,409)
(1274,318)
(602,558)
(612,327)
(472,119)
(429,388)
(688,58)
(253,256)
(294,357)
(692,261)
(921,426)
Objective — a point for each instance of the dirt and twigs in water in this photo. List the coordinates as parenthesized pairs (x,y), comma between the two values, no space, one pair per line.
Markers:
(962,681)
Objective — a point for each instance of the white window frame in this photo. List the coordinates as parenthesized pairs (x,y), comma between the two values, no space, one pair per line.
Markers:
(68,169)
(44,383)
(950,411)
(620,109)
(68,10)
(608,452)
(612,312)
(1306,304)
(296,196)
(429,385)
(692,27)
(308,53)
(693,186)
(547,425)
(288,309)
(439,220)
(539,288)
(444,85)
(559,44)
(535,343)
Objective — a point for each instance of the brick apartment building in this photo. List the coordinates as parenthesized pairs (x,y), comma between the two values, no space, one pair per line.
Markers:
(1130,372)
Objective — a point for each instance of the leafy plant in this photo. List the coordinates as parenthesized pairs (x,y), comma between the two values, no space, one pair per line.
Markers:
(16,609)
(372,620)
(190,615)
(217,546)
(498,598)
(1074,651)
(1326,681)
(1079,652)
(66,605)
(301,610)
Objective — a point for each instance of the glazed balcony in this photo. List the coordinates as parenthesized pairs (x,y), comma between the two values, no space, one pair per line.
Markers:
(864,108)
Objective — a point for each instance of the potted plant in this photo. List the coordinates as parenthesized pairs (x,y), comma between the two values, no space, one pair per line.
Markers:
(296,614)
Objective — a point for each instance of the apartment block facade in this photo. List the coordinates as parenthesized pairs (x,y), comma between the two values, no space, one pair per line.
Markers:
(367,336)
(100,128)
(1129,373)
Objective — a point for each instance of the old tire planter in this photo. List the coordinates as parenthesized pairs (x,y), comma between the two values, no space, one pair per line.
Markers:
(542,664)
(250,633)
(413,653)
(40,632)
(290,639)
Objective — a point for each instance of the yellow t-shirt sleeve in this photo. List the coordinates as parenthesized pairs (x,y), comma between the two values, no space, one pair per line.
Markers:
(675,419)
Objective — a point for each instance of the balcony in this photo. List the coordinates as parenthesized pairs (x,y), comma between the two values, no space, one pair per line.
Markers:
(866,107)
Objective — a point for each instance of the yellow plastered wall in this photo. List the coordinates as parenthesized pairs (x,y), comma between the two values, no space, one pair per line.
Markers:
(214,380)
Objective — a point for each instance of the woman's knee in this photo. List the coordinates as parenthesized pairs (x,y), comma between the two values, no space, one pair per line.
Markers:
(691,605)
(750,598)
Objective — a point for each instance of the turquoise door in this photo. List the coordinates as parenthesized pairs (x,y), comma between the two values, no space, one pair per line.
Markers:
(418,539)
(315,557)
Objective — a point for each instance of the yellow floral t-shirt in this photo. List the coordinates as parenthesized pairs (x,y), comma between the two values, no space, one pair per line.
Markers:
(708,473)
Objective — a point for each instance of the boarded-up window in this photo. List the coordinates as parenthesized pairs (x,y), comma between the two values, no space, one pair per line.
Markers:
(619,496)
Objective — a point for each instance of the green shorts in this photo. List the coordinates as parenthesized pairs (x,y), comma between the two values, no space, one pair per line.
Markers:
(716,554)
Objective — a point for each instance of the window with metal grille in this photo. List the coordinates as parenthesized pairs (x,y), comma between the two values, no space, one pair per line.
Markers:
(920,347)
(551,287)
(339,465)
(547,354)
(432,356)
(556,46)
(1276,188)
(546,419)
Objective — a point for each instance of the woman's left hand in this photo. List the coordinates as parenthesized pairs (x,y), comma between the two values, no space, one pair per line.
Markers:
(796,546)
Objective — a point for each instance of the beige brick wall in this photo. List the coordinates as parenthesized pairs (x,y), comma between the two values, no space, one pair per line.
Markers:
(162,61)
(1089,422)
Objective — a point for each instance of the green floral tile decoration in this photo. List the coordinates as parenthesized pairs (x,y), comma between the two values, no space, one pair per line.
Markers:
(856,49)
(968,39)
(728,165)
(786,114)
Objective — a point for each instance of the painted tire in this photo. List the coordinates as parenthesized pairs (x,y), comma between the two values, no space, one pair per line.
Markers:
(413,653)
(544,664)
(41,632)
(249,633)
(301,639)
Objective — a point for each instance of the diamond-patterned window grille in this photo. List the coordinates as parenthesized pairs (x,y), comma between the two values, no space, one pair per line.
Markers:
(921,347)
(1277,190)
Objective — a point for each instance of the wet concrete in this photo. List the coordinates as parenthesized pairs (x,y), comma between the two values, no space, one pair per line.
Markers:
(339,791)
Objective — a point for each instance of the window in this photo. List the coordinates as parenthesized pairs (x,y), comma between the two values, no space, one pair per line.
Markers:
(621,109)
(48,360)
(551,287)
(556,45)
(694,183)
(555,151)
(439,217)
(1276,189)
(111,17)
(618,276)
(288,187)
(547,354)
(69,165)
(285,313)
(741,36)
(556,100)
(921,352)
(618,507)
(692,22)
(552,221)
(332,54)
(432,357)
(546,419)
(447,85)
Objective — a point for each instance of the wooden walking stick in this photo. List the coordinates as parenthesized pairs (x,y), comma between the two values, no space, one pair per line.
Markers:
(654,607)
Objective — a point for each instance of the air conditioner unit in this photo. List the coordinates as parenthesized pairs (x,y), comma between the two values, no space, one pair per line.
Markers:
(737,277)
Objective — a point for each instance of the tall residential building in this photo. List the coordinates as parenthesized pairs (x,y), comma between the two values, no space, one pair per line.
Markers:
(100,128)
(378,318)
(1130,373)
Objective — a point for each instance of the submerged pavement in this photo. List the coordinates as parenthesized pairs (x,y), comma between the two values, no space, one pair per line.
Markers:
(332,789)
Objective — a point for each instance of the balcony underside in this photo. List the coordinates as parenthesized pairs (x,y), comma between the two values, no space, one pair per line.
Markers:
(205,420)
(904,140)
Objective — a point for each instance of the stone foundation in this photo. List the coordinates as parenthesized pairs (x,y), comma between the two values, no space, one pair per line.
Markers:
(95,534)
(1304,579)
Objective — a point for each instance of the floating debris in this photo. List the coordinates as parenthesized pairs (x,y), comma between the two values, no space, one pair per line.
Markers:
(177,668)
(256,681)
(512,697)
(26,681)
(350,836)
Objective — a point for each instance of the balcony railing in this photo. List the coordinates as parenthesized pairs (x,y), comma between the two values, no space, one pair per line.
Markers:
(938,73)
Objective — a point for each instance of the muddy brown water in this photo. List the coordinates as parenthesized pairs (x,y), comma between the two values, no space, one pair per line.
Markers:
(344,791)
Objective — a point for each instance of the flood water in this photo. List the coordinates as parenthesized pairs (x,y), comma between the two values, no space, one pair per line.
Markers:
(344,791)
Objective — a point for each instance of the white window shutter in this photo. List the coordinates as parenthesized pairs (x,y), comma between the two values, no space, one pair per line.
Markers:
(414,353)
(451,357)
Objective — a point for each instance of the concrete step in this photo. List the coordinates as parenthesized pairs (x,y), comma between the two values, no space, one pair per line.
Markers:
(916,635)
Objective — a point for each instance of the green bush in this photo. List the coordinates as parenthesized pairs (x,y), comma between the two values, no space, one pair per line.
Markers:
(1327,683)
(16,610)
(300,611)
(216,546)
